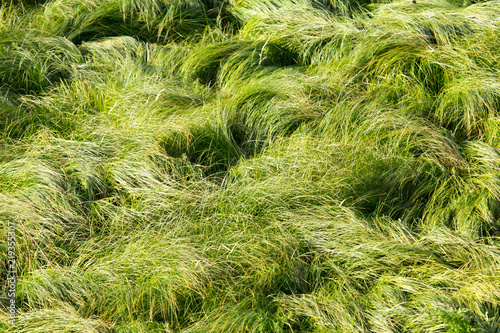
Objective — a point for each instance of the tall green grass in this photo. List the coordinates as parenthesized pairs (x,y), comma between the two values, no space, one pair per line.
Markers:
(251,166)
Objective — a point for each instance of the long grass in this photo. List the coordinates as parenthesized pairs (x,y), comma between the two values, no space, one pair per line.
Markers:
(251,166)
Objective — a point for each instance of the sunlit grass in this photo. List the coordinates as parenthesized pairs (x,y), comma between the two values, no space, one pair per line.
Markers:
(251,166)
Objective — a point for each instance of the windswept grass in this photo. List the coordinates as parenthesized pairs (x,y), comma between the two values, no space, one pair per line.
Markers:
(152,20)
(251,166)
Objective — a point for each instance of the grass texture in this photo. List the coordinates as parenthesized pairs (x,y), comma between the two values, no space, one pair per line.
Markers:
(251,165)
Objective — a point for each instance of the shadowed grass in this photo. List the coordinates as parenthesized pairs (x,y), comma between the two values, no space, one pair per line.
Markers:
(151,20)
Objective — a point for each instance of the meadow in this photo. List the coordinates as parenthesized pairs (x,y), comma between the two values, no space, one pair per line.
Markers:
(262,166)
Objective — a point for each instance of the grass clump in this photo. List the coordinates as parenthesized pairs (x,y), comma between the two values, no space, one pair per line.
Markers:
(152,20)
(32,65)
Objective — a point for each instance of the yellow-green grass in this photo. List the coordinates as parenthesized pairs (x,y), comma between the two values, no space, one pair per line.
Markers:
(251,166)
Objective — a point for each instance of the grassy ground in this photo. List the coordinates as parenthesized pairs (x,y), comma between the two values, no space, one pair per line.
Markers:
(251,165)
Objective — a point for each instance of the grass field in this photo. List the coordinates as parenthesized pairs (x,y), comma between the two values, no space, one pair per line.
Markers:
(250,165)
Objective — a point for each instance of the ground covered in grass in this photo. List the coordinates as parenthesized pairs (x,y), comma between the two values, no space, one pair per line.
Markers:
(251,165)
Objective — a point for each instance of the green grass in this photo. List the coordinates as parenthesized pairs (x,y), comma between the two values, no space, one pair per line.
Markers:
(251,166)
